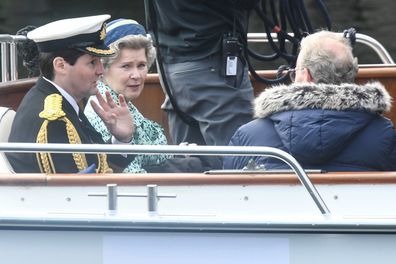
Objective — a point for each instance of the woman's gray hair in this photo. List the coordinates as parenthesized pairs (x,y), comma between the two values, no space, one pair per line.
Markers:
(328,57)
(131,42)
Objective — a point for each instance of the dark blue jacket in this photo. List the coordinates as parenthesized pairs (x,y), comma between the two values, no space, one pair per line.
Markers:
(335,128)
(27,124)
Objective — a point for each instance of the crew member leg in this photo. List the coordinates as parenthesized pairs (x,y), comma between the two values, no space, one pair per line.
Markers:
(218,103)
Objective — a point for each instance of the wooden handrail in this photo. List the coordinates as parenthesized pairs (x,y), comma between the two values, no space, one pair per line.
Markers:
(193,179)
(376,73)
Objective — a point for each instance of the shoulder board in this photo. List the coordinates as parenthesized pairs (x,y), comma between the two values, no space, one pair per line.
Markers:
(52,107)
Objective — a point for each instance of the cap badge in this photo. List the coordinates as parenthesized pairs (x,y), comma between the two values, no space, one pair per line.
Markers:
(102,34)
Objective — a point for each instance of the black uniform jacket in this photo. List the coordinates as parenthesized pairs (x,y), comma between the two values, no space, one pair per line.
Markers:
(27,124)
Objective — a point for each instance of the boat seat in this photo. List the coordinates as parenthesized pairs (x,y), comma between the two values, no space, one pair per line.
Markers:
(6,117)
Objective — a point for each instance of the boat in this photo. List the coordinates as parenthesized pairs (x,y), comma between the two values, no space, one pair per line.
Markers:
(248,216)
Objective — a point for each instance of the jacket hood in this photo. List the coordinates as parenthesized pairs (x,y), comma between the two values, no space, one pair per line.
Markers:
(371,97)
(315,122)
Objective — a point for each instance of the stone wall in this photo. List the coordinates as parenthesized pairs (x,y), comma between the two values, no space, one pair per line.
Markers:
(375,18)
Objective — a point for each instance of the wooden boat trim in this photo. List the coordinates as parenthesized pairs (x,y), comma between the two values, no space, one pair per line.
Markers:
(193,179)
(12,92)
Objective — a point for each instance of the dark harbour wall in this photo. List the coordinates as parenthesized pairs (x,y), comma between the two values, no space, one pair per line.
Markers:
(375,18)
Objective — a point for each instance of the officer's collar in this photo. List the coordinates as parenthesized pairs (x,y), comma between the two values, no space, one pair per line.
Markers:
(66,95)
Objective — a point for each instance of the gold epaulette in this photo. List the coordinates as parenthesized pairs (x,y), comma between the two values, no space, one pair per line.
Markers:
(53,111)
(52,108)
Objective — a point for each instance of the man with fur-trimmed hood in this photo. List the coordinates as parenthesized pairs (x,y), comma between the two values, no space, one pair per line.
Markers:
(323,119)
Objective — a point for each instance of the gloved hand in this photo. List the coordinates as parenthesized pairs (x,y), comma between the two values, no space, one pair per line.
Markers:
(90,169)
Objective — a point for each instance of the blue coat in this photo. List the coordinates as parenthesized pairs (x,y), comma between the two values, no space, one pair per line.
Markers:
(329,127)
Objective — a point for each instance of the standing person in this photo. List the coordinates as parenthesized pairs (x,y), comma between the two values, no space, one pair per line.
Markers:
(323,119)
(69,57)
(200,48)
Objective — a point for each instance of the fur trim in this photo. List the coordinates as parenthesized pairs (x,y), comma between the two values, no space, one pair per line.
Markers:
(371,97)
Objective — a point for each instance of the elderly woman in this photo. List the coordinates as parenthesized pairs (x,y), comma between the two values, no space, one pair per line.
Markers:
(125,73)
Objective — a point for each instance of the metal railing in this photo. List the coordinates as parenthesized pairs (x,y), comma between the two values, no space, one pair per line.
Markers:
(176,149)
(9,58)
(372,43)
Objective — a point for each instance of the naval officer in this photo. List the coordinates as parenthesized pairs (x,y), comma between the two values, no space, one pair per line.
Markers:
(69,61)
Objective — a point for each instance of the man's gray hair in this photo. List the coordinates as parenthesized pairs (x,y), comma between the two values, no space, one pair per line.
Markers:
(328,57)
(132,42)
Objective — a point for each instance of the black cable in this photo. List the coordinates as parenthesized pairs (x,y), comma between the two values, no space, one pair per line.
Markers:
(304,15)
(325,12)
(298,19)
(269,28)
(288,18)
(266,80)
(291,13)
(283,26)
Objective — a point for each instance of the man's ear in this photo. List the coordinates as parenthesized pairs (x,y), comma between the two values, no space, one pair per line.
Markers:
(307,75)
(59,65)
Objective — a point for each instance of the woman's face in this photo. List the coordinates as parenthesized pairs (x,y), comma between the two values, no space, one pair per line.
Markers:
(127,74)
